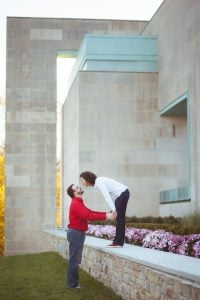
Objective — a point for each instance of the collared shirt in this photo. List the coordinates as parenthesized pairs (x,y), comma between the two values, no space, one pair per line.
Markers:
(111,189)
(79,214)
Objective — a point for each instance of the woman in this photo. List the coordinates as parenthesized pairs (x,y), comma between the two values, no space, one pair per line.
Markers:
(116,195)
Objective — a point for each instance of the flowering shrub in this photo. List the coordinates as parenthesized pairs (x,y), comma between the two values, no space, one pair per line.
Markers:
(158,239)
(135,235)
(106,231)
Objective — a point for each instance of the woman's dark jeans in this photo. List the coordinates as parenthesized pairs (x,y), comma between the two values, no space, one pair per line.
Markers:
(76,240)
(121,204)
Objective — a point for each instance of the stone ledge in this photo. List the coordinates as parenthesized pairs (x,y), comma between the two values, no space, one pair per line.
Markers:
(174,264)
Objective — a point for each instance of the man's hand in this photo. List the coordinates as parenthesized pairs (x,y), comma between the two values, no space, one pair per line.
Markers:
(114,212)
(111,216)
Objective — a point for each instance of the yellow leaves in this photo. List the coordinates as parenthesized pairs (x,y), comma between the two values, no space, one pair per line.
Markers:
(58,197)
(1,170)
(2,203)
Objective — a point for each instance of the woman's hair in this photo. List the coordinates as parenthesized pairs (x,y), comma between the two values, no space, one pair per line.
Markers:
(70,191)
(89,177)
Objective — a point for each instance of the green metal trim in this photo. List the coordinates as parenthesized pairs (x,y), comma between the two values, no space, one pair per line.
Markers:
(174,201)
(121,57)
(172,104)
(125,36)
(189,142)
(104,51)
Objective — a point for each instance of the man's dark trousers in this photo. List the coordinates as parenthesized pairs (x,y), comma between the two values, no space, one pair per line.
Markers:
(76,240)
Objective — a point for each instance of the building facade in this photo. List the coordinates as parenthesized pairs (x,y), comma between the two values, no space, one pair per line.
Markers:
(131,113)
(33,45)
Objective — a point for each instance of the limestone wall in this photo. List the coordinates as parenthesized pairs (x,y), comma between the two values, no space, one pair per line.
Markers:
(30,145)
(121,135)
(177,25)
(118,122)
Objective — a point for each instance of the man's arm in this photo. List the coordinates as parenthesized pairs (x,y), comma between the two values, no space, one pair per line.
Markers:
(91,215)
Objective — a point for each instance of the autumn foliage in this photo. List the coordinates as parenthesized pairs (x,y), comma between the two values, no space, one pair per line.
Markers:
(2,200)
(58,197)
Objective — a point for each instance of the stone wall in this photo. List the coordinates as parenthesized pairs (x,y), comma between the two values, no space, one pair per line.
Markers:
(112,127)
(128,278)
(136,281)
(177,26)
(115,116)
(30,145)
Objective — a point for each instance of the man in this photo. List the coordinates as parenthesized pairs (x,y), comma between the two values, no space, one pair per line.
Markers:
(79,215)
(116,195)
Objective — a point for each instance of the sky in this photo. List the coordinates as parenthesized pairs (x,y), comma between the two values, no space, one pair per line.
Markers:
(91,9)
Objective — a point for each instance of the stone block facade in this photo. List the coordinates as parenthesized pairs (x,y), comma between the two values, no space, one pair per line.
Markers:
(30,146)
(118,132)
(140,128)
(178,64)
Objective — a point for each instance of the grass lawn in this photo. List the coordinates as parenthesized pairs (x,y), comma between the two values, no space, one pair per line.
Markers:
(42,276)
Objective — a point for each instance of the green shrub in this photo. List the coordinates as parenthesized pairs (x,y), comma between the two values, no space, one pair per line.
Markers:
(145,220)
(191,220)
(148,219)
(154,220)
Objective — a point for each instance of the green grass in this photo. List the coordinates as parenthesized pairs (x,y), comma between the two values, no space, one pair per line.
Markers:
(42,276)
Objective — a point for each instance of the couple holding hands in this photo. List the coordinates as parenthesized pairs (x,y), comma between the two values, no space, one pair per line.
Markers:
(116,195)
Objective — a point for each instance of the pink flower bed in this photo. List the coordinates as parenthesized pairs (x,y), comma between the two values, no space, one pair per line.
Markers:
(158,239)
